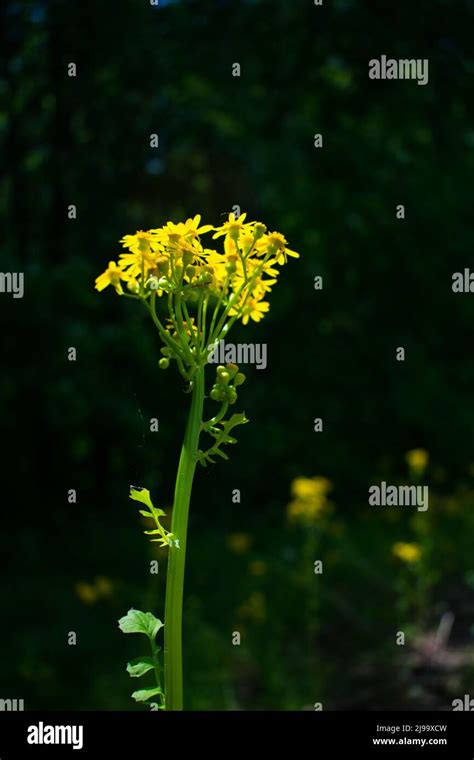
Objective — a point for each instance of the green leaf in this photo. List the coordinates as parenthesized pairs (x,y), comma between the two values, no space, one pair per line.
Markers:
(153,512)
(141,494)
(136,621)
(223,437)
(140,666)
(143,694)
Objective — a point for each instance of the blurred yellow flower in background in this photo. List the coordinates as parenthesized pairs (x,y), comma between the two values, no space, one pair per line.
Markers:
(409,553)
(310,498)
(310,487)
(239,543)
(90,593)
(417,460)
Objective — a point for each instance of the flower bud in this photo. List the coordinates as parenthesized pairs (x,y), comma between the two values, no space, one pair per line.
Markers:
(163,264)
(231,395)
(164,363)
(222,374)
(239,379)
(133,287)
(259,230)
(232,369)
(187,258)
(215,394)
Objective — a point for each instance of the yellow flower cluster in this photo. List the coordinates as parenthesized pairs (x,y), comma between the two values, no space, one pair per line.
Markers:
(173,259)
(309,498)
(409,553)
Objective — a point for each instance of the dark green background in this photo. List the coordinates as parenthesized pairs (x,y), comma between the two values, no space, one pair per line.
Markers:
(331,354)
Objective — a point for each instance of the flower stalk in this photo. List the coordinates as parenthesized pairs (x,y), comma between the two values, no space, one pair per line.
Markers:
(177,556)
(205,293)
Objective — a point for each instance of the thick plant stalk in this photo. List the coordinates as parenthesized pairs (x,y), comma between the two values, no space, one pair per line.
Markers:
(177,555)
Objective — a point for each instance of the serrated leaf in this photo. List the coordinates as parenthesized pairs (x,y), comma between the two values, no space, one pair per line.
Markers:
(222,437)
(139,666)
(136,621)
(142,695)
(141,494)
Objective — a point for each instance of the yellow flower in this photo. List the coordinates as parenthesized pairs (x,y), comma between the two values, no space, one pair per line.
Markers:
(112,276)
(137,262)
(172,260)
(277,244)
(250,308)
(218,263)
(417,460)
(231,249)
(141,242)
(188,230)
(239,543)
(310,487)
(263,286)
(89,593)
(233,227)
(409,553)
(306,509)
(310,498)
(86,593)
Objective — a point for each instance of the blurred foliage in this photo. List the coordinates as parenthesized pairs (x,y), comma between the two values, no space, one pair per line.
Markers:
(331,354)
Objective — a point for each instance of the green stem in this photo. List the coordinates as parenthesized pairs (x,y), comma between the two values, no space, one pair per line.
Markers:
(156,663)
(177,555)
(222,412)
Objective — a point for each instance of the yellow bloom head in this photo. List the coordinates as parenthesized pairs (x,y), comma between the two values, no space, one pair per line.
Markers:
(205,290)
(409,553)
(310,499)
(417,460)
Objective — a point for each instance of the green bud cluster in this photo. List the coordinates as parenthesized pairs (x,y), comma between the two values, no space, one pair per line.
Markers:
(164,363)
(228,378)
